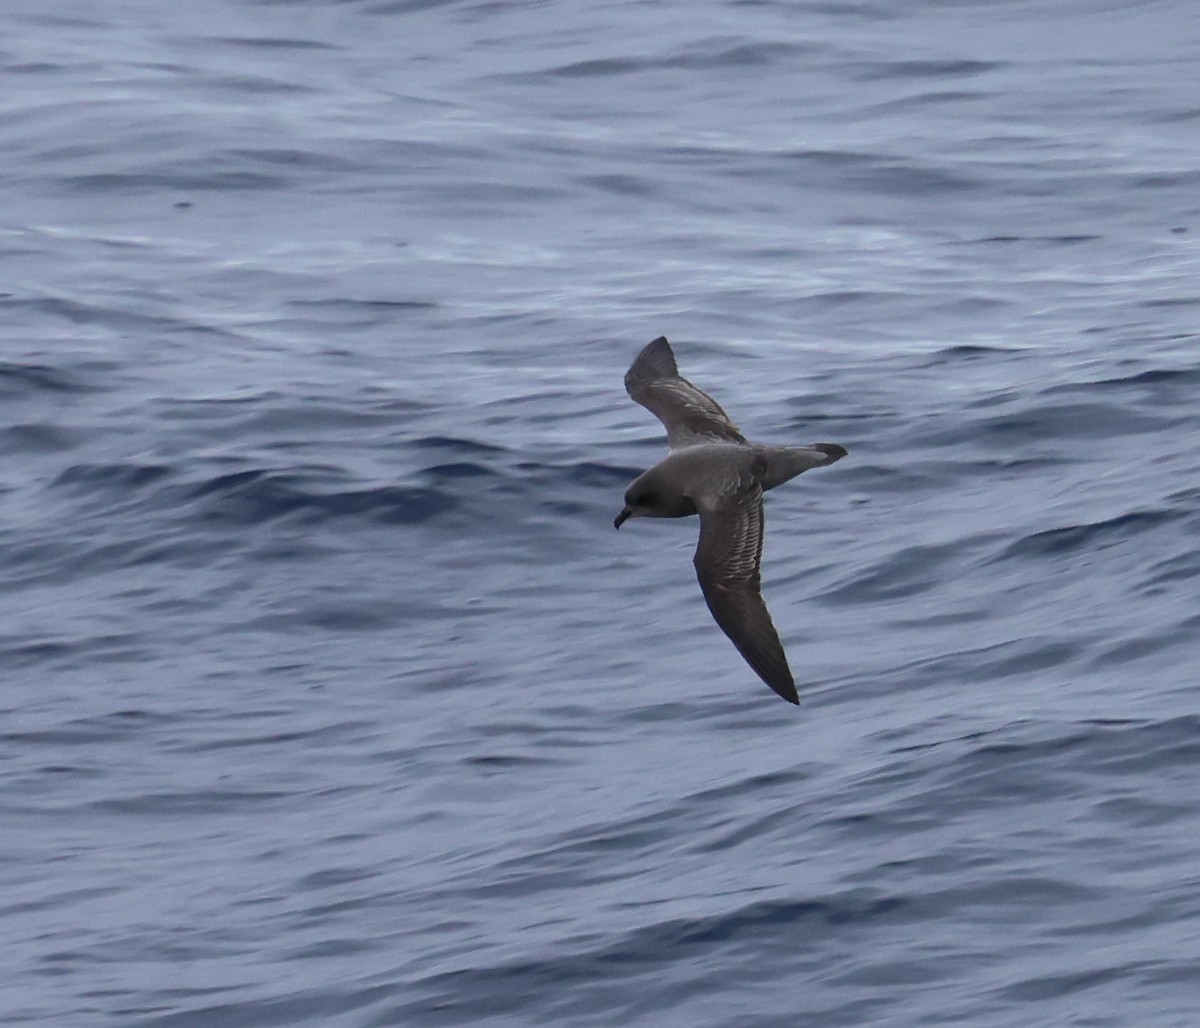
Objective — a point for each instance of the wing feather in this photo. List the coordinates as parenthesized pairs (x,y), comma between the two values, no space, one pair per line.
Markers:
(728,561)
(689,414)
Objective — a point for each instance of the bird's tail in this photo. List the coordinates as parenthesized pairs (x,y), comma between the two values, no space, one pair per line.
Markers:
(786,462)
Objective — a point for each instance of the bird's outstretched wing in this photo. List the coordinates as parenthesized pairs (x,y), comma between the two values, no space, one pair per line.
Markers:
(689,414)
(728,559)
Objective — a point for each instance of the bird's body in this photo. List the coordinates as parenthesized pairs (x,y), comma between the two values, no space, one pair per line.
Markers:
(719,467)
(714,471)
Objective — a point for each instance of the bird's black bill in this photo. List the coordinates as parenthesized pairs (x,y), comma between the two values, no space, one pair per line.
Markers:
(621,518)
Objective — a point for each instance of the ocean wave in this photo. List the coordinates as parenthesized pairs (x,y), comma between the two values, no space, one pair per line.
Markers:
(1089,535)
(21,379)
(259,495)
(486,475)
(615,959)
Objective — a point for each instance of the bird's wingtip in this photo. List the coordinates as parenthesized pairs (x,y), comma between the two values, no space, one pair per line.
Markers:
(657,358)
(833,452)
(786,691)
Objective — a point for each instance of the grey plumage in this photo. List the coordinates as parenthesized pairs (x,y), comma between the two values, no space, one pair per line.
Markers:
(714,471)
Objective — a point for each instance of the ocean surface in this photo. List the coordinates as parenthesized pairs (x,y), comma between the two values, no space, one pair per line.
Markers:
(328,694)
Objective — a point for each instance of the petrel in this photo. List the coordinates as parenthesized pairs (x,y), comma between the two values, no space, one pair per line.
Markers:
(714,471)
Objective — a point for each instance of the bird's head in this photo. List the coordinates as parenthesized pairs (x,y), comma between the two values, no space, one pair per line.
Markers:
(650,497)
(637,505)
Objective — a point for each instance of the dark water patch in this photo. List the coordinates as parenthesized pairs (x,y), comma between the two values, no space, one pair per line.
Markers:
(378,309)
(1028,742)
(26,653)
(456,997)
(215,408)
(935,98)
(363,617)
(66,559)
(1139,648)
(1171,301)
(970,306)
(70,771)
(723,53)
(597,68)
(906,572)
(1042,988)
(227,482)
(202,801)
(1091,536)
(62,898)
(1033,424)
(310,419)
(1153,382)
(34,553)
(778,783)
(270,43)
(967,352)
(117,725)
(465,447)
(391,7)
(1179,568)
(243,84)
(923,69)
(20,380)
(849,909)
(22,652)
(892,175)
(620,185)
(1060,756)
(289,548)
(1061,240)
(304,160)
(118,477)
(835,298)
(1019,657)
(1027,657)
(321,736)
(490,197)
(259,494)
(137,182)
(425,155)
(869,480)
(500,762)
(639,833)
(876,173)
(585,474)
(332,878)
(30,67)
(459,469)
(1188,179)
(1011,767)
(717,840)
(256,496)
(193,1006)
(78,313)
(40,438)
(1166,747)
(958,618)
(880,417)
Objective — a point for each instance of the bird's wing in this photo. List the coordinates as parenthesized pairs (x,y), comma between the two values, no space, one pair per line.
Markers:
(689,414)
(728,559)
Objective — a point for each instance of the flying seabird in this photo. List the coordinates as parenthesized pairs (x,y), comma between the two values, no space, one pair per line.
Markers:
(714,471)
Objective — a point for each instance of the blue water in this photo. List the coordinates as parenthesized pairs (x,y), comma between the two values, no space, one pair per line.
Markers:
(330,696)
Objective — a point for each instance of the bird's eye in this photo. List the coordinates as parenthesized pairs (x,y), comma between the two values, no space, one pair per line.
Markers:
(645,500)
